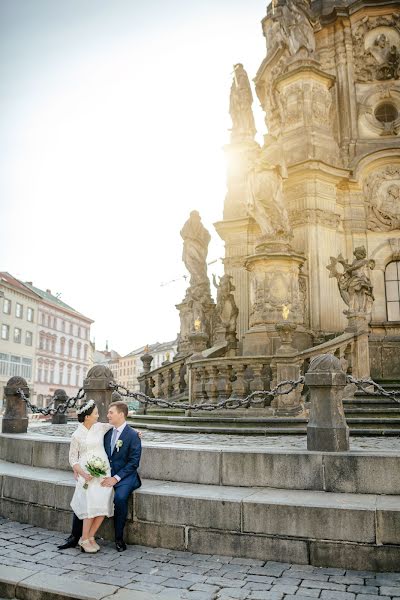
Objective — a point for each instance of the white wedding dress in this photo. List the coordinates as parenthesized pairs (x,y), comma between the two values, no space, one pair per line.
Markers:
(95,500)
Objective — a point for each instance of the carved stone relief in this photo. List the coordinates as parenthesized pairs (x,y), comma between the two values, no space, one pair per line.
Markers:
(382,197)
(376,42)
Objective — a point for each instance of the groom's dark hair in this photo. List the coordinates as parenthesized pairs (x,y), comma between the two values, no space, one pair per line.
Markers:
(121,407)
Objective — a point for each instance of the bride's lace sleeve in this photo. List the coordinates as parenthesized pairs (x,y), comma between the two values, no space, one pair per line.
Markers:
(74,451)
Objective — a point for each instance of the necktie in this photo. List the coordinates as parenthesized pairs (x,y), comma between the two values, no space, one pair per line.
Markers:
(113,439)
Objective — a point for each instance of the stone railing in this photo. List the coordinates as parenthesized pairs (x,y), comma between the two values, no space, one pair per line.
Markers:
(217,379)
(168,381)
(212,380)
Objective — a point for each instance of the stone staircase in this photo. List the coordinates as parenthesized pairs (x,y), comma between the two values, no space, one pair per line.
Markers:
(325,509)
(366,414)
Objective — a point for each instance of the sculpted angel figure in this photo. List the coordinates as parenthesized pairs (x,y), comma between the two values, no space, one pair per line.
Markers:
(226,309)
(354,281)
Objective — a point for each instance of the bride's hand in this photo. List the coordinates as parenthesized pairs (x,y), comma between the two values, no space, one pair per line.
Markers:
(86,476)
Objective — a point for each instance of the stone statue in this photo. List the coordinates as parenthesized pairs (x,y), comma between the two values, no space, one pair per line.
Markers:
(240,103)
(226,311)
(354,281)
(293,26)
(265,200)
(195,247)
(382,191)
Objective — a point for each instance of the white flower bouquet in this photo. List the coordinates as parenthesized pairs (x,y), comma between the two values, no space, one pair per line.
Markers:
(97,467)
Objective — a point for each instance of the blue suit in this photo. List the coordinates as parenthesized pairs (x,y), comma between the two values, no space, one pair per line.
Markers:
(124,462)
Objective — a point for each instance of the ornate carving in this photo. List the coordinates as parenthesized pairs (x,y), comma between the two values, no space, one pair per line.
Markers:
(354,281)
(291,25)
(321,104)
(241,99)
(314,216)
(395,248)
(376,42)
(382,191)
(270,292)
(265,199)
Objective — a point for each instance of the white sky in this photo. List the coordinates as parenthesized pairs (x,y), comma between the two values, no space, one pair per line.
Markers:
(113,115)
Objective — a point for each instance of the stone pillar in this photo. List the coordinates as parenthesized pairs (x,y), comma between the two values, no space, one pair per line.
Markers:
(15,418)
(97,387)
(327,429)
(60,397)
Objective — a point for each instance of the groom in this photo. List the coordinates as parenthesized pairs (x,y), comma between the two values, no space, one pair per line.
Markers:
(123,447)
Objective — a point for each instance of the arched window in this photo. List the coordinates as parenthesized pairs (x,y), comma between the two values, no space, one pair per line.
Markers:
(61,373)
(62,345)
(85,351)
(78,350)
(392,286)
(70,346)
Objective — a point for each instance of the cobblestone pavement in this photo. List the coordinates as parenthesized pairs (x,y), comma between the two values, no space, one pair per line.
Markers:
(172,574)
(295,442)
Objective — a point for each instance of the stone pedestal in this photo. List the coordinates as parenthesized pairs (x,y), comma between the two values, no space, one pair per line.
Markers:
(274,286)
(286,367)
(97,387)
(15,418)
(327,430)
(60,397)
(198,341)
(197,306)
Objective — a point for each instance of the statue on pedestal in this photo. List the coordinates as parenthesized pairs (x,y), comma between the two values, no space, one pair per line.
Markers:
(240,103)
(195,247)
(226,311)
(354,281)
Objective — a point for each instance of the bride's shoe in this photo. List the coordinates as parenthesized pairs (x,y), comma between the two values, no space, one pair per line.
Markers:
(94,544)
(86,546)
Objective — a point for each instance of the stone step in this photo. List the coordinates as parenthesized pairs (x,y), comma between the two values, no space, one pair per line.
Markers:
(316,527)
(353,472)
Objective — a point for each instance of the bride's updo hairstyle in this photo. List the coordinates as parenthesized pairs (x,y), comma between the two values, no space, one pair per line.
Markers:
(85,410)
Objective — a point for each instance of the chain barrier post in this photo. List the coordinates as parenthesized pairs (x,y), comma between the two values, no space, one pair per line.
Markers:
(327,429)
(97,387)
(59,397)
(146,359)
(15,419)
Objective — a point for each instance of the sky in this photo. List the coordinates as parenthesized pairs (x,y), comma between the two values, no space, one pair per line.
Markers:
(113,118)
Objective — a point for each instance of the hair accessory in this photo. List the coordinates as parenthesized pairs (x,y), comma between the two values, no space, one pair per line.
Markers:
(85,407)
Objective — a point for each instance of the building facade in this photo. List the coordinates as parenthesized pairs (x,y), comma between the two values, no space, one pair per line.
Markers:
(62,348)
(19,308)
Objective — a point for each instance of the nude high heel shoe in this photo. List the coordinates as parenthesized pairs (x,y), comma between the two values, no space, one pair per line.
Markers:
(86,546)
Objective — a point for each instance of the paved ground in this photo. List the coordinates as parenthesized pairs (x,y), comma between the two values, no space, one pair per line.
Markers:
(223,441)
(193,576)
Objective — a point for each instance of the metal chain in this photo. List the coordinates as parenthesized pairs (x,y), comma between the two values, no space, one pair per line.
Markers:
(252,399)
(50,410)
(364,384)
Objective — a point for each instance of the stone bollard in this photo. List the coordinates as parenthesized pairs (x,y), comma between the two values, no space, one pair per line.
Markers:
(15,418)
(327,429)
(60,397)
(97,387)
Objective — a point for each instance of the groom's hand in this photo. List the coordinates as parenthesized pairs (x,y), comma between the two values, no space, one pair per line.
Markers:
(109,482)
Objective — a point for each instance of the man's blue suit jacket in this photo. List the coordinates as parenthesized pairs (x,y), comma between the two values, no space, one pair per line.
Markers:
(125,460)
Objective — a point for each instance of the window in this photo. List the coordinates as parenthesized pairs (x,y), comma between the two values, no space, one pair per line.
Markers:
(386,112)
(62,346)
(70,346)
(28,338)
(4,361)
(7,306)
(78,350)
(71,328)
(85,351)
(29,314)
(18,310)
(5,332)
(392,283)
(17,335)
(42,318)
(63,326)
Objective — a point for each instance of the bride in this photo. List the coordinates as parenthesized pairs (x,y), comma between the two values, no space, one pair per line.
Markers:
(91,501)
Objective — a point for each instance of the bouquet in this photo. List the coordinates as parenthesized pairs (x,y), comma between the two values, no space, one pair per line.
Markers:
(97,467)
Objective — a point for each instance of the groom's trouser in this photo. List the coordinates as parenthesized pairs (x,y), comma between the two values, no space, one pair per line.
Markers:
(122,494)
(121,499)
